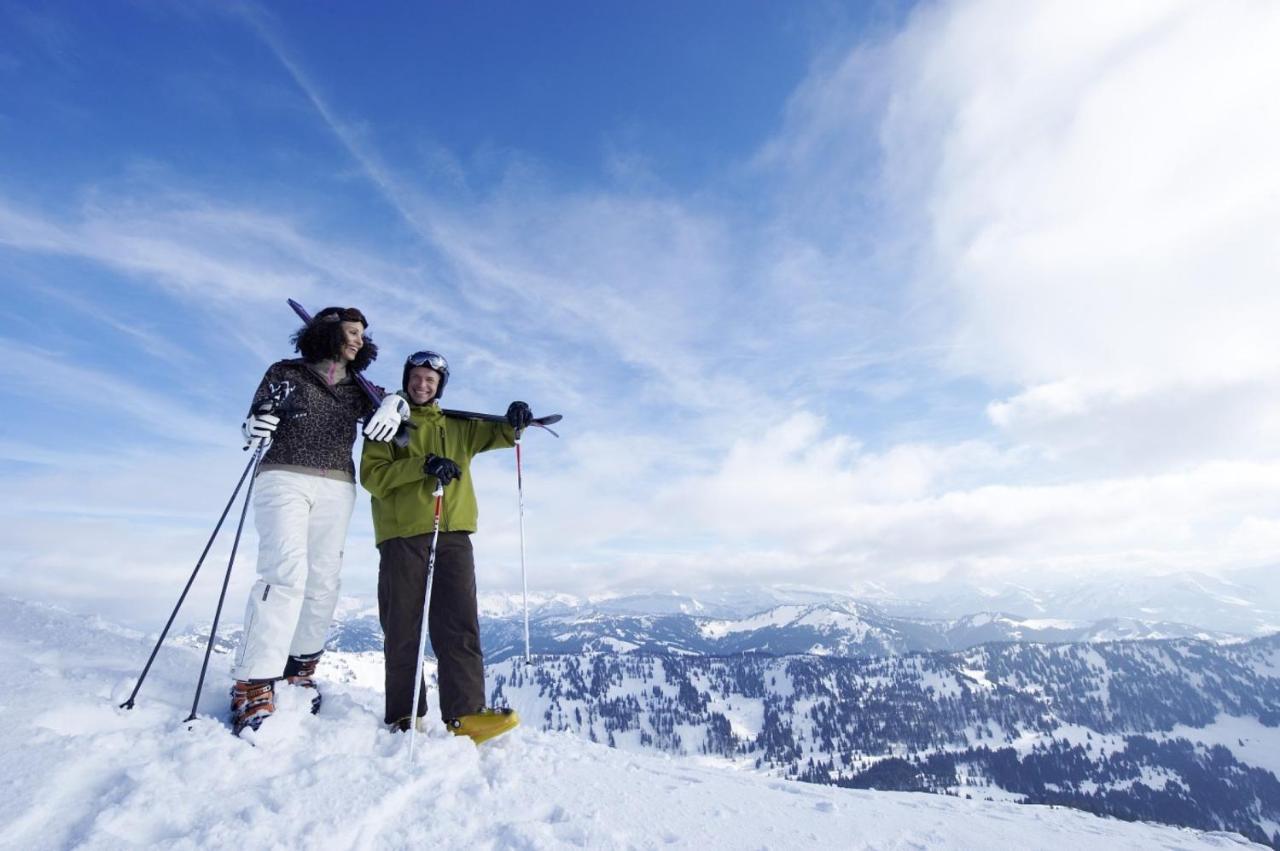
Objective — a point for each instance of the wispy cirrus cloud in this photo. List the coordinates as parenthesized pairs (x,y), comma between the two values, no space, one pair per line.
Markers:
(85,389)
(148,340)
(180,245)
(235,264)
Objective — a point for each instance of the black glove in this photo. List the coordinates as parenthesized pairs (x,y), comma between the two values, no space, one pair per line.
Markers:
(519,415)
(442,468)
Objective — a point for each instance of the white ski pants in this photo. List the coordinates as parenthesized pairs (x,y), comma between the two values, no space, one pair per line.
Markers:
(302,526)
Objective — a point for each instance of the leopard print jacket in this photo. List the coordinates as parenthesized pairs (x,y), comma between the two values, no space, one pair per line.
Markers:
(318,421)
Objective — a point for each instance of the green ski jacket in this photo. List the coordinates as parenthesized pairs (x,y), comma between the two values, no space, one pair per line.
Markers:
(402,502)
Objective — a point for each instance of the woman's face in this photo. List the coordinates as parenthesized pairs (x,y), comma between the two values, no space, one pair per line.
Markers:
(352,341)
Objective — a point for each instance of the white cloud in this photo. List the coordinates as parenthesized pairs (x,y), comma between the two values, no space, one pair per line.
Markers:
(837,513)
(1095,196)
(1101,195)
(120,534)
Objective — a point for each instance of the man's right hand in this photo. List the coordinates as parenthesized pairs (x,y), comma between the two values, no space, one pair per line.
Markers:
(519,416)
(442,468)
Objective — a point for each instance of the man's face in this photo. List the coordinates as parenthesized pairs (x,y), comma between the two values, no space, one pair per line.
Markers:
(423,381)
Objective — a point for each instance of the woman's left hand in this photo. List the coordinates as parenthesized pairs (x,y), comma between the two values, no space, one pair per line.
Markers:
(385,422)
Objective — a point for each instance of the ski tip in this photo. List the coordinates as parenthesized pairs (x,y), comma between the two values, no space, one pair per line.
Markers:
(300,310)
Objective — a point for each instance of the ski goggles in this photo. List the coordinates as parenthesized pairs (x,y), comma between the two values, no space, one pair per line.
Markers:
(429,359)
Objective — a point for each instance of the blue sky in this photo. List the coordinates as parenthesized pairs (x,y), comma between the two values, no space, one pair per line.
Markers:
(827,293)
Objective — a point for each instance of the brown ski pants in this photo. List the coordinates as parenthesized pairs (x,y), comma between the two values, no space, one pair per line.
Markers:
(453,623)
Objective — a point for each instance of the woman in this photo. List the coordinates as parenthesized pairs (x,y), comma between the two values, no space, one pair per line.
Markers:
(307,408)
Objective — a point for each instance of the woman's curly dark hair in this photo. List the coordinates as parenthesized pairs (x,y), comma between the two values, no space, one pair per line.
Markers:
(322,338)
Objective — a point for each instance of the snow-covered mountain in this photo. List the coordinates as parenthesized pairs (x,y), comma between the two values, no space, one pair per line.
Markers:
(707,602)
(840,627)
(832,628)
(949,615)
(81,772)
(1247,604)
(1186,732)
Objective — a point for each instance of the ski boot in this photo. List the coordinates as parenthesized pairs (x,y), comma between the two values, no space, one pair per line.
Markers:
(485,724)
(252,702)
(301,671)
(402,725)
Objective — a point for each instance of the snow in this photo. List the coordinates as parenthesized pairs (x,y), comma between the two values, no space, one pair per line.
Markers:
(1247,738)
(744,714)
(364,669)
(81,772)
(942,684)
(505,605)
(616,645)
(780,616)
(1052,623)
(822,618)
(828,619)
(979,677)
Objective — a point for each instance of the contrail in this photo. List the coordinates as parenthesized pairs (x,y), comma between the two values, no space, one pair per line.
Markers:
(378,174)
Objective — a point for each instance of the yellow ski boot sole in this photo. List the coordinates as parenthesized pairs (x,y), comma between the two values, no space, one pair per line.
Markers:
(484,725)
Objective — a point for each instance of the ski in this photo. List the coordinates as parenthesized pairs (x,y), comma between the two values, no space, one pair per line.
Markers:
(402,438)
(540,422)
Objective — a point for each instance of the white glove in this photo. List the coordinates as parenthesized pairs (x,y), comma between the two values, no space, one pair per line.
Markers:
(259,427)
(385,422)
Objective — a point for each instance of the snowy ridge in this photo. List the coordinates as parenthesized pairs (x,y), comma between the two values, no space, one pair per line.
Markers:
(1246,604)
(828,619)
(832,627)
(83,773)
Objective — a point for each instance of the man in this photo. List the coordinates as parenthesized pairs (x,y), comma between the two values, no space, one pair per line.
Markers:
(401,481)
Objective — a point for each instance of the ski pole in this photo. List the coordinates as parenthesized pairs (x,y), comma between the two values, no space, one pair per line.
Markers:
(217,613)
(524,577)
(128,704)
(438,493)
